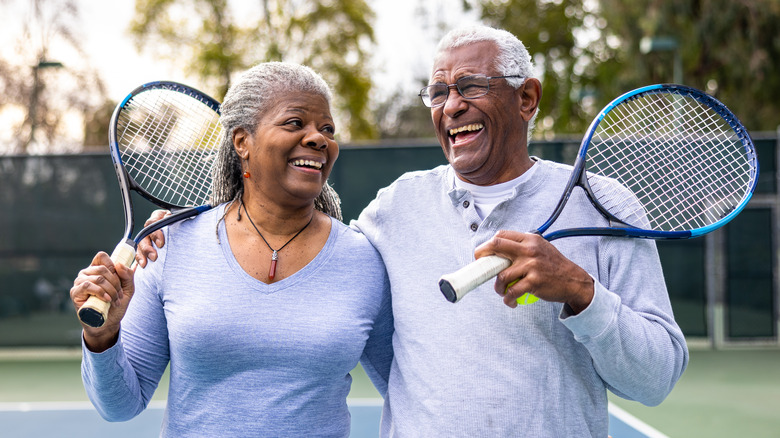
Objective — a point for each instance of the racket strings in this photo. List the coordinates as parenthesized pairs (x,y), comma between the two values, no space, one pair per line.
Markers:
(668,191)
(684,164)
(167,140)
(675,178)
(149,174)
(148,170)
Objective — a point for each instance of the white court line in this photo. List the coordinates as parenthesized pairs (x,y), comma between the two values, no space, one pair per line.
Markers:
(365,402)
(156,404)
(635,423)
(25,353)
(60,406)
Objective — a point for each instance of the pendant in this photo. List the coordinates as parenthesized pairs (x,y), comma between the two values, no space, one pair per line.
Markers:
(272,270)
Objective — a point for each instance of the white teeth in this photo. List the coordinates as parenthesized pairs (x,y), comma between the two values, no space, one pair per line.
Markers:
(471,127)
(308,163)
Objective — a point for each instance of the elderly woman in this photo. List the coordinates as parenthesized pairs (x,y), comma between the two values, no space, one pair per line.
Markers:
(261,306)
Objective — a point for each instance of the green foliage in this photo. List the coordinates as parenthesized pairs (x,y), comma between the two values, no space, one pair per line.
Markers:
(732,49)
(728,48)
(546,28)
(334,38)
(211,46)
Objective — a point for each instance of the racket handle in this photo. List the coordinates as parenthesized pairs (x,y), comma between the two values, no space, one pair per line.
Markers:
(456,285)
(123,254)
(94,312)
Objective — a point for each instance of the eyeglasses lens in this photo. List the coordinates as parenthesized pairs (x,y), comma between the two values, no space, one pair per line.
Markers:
(469,87)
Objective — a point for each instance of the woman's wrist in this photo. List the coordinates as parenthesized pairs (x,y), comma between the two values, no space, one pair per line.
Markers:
(100,342)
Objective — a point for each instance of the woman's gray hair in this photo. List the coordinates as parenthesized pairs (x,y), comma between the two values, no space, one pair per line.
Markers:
(244,106)
(513,57)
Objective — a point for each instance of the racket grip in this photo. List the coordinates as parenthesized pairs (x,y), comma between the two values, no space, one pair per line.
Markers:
(456,285)
(124,254)
(94,312)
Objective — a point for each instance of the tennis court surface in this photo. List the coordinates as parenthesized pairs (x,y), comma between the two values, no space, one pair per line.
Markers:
(80,420)
(722,394)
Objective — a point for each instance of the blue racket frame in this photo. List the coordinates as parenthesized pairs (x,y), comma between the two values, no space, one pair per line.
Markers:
(627,230)
(126,182)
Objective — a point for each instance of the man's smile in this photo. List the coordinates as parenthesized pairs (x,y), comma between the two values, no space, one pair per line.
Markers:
(465,133)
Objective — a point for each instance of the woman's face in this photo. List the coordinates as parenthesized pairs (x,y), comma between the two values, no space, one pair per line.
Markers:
(292,151)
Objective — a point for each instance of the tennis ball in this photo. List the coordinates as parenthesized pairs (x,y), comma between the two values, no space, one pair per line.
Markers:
(527,298)
(524,299)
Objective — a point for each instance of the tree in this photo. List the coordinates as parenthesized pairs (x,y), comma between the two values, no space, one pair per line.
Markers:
(334,38)
(402,117)
(401,114)
(201,34)
(589,52)
(548,29)
(37,93)
(728,48)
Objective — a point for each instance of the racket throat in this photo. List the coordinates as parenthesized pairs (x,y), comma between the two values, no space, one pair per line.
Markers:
(616,223)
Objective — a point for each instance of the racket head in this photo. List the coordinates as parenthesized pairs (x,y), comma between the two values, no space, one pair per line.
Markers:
(164,138)
(666,161)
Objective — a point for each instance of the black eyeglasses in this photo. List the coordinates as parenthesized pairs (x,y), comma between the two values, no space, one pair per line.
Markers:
(470,87)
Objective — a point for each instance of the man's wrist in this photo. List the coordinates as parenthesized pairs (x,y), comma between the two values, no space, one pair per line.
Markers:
(584,296)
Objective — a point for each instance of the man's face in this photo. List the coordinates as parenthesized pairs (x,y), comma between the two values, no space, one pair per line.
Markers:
(484,138)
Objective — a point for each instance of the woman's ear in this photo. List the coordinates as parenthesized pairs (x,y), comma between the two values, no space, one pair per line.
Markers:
(242,141)
(531,95)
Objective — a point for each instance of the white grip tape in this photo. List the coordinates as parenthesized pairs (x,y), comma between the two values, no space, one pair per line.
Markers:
(124,253)
(474,274)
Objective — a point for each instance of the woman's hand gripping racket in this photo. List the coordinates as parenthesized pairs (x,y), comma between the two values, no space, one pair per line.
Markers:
(659,162)
(163,138)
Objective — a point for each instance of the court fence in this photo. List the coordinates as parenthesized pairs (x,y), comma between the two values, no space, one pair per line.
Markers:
(57,211)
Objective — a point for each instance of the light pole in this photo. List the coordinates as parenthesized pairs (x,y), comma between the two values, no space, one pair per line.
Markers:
(32,112)
(664,44)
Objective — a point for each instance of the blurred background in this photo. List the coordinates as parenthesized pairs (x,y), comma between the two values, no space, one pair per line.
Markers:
(64,65)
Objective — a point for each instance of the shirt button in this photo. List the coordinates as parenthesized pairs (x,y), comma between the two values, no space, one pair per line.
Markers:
(466,204)
(474,227)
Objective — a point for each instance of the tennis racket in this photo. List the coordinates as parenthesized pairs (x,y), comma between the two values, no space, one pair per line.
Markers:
(659,162)
(163,138)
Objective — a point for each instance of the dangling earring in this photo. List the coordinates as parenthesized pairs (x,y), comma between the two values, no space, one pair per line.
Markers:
(246,172)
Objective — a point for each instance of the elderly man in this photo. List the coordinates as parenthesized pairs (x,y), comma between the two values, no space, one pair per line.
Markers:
(480,367)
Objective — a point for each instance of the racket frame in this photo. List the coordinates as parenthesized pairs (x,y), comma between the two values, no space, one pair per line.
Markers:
(94,311)
(457,284)
(627,230)
(126,182)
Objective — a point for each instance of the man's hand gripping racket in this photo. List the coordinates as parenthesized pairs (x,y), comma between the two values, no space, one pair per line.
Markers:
(659,162)
(163,138)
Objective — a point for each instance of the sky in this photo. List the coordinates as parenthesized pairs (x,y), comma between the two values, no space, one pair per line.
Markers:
(403,52)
